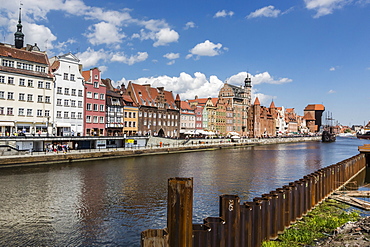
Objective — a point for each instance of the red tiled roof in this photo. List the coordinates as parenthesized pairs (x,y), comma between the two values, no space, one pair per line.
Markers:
(55,66)
(272,105)
(86,75)
(308,116)
(257,101)
(185,106)
(32,56)
(315,107)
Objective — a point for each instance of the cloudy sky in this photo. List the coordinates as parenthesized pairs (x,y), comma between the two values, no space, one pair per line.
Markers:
(297,52)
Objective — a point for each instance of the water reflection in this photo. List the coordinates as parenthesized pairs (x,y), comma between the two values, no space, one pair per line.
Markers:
(110,202)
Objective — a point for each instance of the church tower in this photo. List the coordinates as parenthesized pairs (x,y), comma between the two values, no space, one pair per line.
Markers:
(19,36)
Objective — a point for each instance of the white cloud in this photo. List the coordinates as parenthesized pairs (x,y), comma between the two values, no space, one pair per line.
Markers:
(332,69)
(325,7)
(104,33)
(265,77)
(207,48)
(121,57)
(90,57)
(171,62)
(189,24)
(39,34)
(172,56)
(165,36)
(268,11)
(103,68)
(223,13)
(331,91)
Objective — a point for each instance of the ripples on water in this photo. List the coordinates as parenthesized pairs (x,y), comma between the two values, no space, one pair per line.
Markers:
(110,202)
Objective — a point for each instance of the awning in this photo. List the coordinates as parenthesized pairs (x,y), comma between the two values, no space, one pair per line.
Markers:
(233,133)
(7,124)
(63,125)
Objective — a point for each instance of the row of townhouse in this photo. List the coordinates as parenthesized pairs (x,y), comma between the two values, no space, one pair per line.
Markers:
(55,96)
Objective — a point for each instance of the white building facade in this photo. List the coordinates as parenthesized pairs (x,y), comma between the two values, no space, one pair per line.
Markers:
(68,119)
(26,91)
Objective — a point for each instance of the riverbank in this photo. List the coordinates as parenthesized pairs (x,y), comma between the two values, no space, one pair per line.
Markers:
(154,146)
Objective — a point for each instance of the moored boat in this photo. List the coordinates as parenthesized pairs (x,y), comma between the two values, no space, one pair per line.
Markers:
(366,135)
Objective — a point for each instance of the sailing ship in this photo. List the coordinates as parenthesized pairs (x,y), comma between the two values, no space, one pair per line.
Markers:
(328,134)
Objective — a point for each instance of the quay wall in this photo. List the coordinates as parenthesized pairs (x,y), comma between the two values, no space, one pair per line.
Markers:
(152,148)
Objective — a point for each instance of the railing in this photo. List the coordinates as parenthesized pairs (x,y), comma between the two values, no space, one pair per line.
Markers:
(250,223)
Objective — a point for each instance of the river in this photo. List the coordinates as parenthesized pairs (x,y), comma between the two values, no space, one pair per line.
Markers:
(109,203)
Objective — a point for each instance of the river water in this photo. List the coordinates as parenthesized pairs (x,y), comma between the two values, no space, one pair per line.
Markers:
(109,203)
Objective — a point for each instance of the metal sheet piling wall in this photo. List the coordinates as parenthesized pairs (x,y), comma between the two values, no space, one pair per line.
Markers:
(248,224)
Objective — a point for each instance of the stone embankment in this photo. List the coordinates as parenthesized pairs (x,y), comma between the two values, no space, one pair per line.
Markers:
(154,146)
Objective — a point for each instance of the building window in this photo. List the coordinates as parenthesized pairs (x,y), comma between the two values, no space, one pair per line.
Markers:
(21,111)
(59,101)
(8,63)
(125,114)
(47,85)
(40,84)
(1,110)
(66,91)
(102,96)
(11,80)
(21,97)
(73,92)
(29,112)
(73,103)
(59,90)
(96,84)
(2,79)
(39,113)
(88,106)
(73,115)
(66,114)
(80,93)
(134,124)
(9,111)
(10,95)
(47,99)
(30,83)
(79,115)
(95,119)
(89,95)
(59,114)
(65,76)
(47,113)
(30,97)
(88,119)
(80,104)
(22,82)
(40,69)
(66,102)
(72,77)
(101,107)
(39,98)
(96,96)
(101,119)
(2,95)
(95,107)
(24,66)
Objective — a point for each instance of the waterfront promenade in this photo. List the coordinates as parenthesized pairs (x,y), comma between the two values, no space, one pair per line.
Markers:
(154,145)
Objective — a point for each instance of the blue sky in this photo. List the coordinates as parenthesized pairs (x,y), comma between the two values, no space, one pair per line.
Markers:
(297,52)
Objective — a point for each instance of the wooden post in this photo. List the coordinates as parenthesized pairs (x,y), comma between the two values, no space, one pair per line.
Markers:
(154,238)
(230,213)
(180,212)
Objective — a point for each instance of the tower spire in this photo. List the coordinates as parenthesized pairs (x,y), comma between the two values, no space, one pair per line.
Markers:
(248,81)
(19,36)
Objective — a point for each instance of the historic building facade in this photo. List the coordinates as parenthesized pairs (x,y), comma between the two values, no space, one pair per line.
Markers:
(158,113)
(95,97)
(69,92)
(26,88)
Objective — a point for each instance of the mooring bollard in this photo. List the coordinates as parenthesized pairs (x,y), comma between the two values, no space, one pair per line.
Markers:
(216,232)
(180,212)
(246,225)
(230,213)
